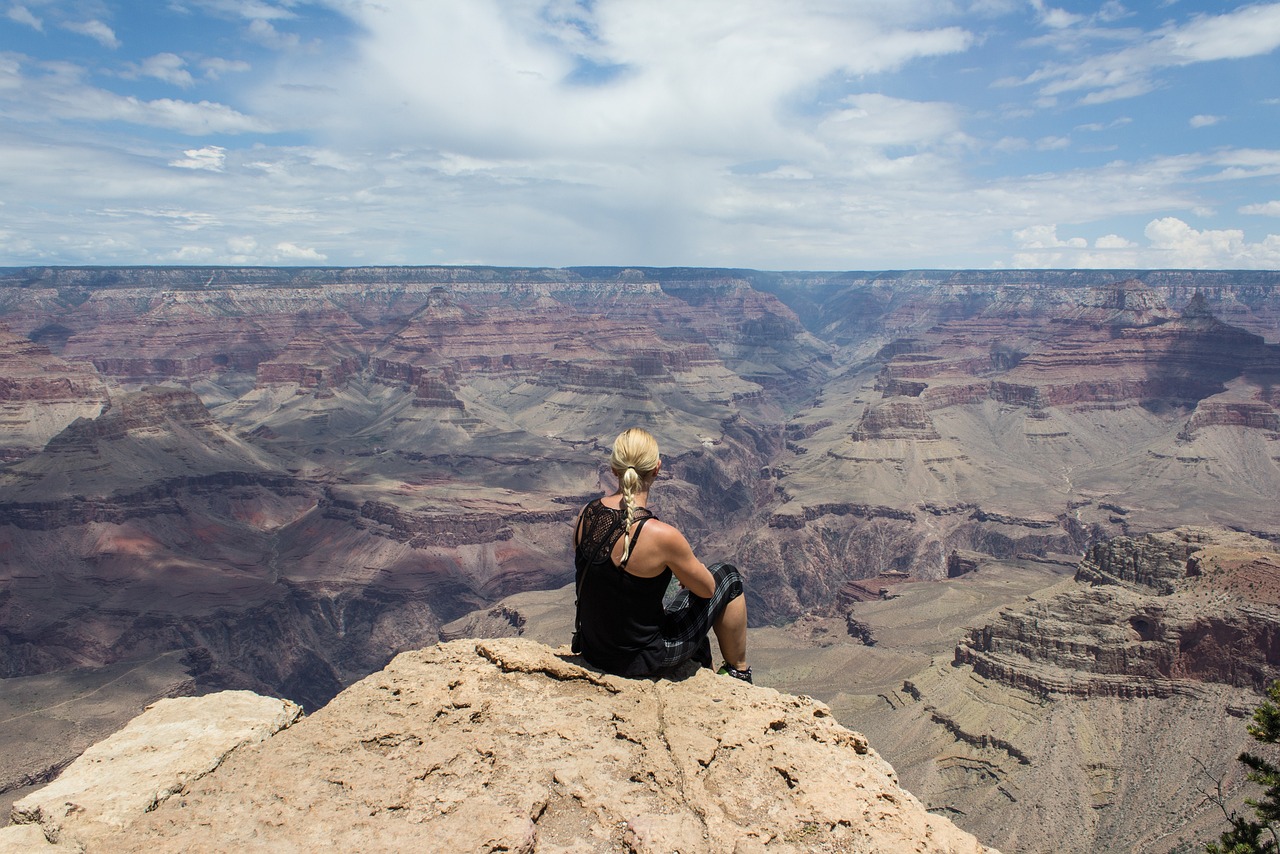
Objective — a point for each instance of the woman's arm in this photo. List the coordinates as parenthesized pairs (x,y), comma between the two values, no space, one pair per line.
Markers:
(678,555)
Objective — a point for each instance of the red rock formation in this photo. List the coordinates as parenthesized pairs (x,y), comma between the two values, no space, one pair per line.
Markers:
(895,419)
(958,564)
(447,412)
(1113,345)
(1139,626)
(852,592)
(29,372)
(1249,414)
(40,394)
(313,360)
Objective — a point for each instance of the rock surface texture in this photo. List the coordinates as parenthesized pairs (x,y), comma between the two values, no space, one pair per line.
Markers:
(158,754)
(503,745)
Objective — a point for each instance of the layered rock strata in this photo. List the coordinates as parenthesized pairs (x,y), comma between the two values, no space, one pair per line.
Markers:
(1103,709)
(153,528)
(1013,399)
(40,394)
(1137,623)
(422,434)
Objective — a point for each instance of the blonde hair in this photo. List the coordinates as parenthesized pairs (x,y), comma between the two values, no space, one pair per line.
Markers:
(634,461)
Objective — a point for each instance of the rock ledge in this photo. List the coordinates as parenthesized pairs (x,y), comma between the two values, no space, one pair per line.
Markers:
(508,745)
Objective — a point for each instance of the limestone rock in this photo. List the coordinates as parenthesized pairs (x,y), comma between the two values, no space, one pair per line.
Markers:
(162,751)
(509,745)
(24,839)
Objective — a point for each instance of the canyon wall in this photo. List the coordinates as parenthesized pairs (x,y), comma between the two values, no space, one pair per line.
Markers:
(334,463)
(286,477)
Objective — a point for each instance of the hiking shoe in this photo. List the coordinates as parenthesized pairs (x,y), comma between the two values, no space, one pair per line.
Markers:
(744,675)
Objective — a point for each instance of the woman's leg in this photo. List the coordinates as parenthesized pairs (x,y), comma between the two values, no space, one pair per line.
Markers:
(731,633)
(688,619)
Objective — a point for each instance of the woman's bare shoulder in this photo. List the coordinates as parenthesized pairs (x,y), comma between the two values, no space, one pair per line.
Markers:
(664,533)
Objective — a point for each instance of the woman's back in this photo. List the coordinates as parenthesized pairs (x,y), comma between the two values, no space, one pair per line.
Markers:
(620,611)
(646,557)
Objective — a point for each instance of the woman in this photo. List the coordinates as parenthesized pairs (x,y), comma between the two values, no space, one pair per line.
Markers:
(624,558)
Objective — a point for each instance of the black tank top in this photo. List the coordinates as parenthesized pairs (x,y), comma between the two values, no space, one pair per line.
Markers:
(619,614)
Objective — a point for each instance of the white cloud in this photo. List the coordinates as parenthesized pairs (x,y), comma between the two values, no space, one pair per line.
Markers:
(1184,246)
(182,219)
(1128,72)
(878,120)
(724,132)
(1113,11)
(1097,127)
(189,255)
(292,252)
(1246,164)
(262,32)
(95,30)
(1203,121)
(215,67)
(210,158)
(1055,18)
(167,67)
(186,117)
(252,10)
(242,245)
(37,93)
(489,78)
(1264,209)
(23,15)
(16,246)
(1248,31)
(788,172)
(1046,237)
(1053,143)
(1171,244)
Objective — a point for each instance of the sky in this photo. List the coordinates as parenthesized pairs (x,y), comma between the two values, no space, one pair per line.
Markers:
(797,135)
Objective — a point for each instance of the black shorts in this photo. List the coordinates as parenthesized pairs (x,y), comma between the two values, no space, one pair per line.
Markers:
(688,618)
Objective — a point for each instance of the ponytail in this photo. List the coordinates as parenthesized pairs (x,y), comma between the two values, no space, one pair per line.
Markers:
(634,460)
(629,482)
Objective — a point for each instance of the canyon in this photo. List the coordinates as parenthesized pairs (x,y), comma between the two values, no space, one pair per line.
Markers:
(277,479)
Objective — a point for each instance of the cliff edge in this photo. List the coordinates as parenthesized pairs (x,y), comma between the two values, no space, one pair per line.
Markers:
(508,745)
